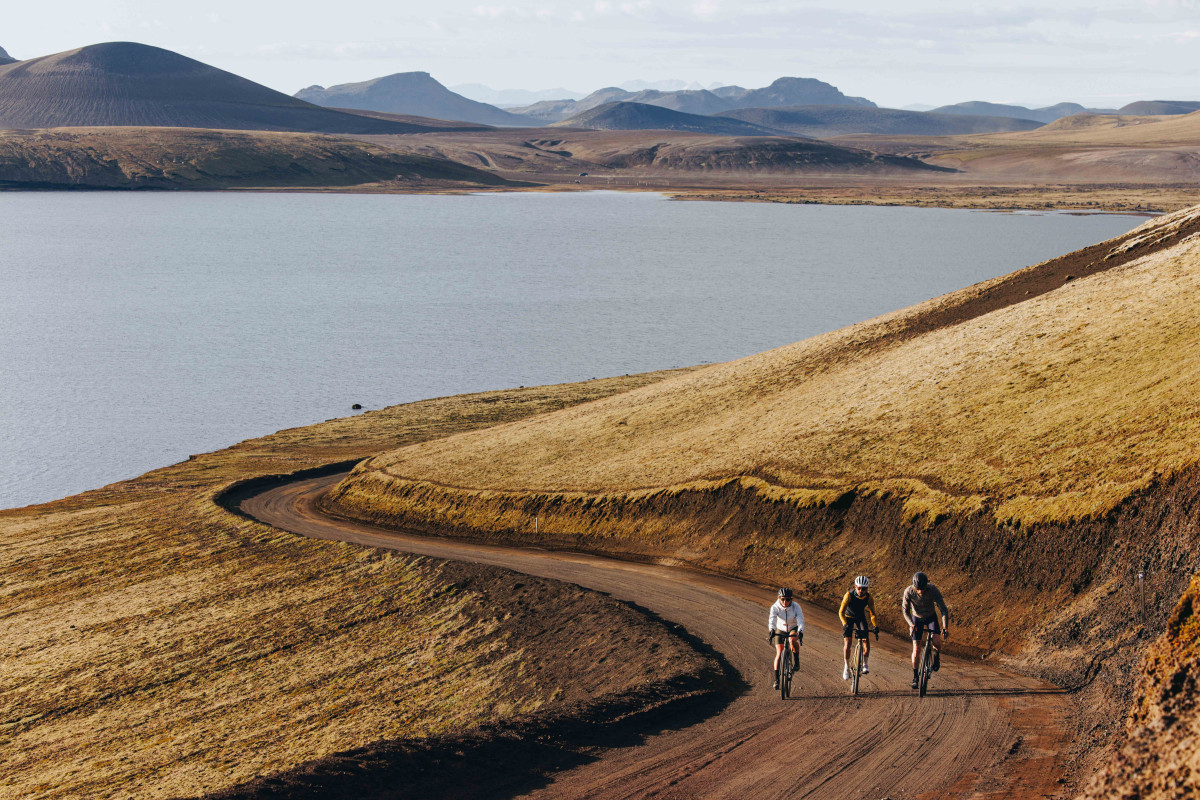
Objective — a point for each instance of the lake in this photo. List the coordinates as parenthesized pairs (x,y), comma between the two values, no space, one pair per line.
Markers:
(139,328)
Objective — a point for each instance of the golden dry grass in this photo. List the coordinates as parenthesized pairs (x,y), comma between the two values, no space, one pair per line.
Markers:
(155,645)
(1052,409)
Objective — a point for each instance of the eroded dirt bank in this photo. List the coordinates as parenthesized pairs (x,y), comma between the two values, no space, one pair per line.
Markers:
(1160,758)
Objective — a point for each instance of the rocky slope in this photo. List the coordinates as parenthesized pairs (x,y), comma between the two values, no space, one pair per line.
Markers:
(179,158)
(1161,758)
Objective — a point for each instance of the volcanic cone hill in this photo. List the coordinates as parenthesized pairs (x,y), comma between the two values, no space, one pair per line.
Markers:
(627,116)
(841,120)
(1031,441)
(125,83)
(5,58)
(415,93)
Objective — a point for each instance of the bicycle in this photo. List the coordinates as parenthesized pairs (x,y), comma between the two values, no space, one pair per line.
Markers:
(783,672)
(859,654)
(925,662)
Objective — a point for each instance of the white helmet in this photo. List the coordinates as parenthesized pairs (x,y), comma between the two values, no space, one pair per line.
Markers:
(863,581)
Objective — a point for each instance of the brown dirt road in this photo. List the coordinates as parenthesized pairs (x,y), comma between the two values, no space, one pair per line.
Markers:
(982,732)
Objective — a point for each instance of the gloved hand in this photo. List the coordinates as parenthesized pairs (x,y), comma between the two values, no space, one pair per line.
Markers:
(770,637)
(877,633)
(800,637)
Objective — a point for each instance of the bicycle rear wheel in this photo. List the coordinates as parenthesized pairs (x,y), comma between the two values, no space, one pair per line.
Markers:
(856,663)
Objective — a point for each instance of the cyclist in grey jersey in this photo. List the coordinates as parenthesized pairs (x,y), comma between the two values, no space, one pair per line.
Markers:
(920,605)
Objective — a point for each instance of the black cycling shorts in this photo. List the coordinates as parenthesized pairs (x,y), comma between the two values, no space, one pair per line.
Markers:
(848,628)
(778,637)
(921,623)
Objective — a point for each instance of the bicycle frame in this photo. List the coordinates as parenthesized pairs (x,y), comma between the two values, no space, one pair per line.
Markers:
(856,660)
(783,672)
(925,662)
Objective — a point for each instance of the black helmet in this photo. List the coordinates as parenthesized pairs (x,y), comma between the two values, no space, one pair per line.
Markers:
(785,593)
(920,580)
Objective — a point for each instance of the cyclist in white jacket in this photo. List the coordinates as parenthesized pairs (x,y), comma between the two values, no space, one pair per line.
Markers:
(786,623)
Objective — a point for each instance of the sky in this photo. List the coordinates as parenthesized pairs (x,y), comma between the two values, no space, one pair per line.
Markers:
(1095,52)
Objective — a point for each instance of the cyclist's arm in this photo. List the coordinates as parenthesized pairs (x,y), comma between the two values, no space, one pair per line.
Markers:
(941,604)
(871,611)
(905,604)
(799,616)
(842,610)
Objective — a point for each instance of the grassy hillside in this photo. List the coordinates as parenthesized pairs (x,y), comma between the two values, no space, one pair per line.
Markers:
(1014,413)
(156,645)
(184,158)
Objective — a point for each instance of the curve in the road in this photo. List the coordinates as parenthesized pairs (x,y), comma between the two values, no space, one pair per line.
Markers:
(981,732)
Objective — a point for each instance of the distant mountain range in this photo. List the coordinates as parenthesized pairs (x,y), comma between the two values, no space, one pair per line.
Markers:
(131,84)
(626,116)
(125,83)
(1052,113)
(783,92)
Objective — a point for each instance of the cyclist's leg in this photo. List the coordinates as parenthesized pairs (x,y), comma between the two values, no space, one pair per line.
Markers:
(778,651)
(794,638)
(937,651)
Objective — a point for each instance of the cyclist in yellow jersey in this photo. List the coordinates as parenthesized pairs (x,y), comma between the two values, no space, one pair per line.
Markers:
(858,607)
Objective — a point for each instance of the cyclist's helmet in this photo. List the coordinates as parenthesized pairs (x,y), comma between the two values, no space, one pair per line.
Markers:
(862,581)
(785,593)
(920,580)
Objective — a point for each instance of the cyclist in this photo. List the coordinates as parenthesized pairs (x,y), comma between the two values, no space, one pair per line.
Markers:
(920,605)
(785,623)
(857,606)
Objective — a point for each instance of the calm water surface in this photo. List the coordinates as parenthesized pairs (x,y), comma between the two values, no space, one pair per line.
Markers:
(136,329)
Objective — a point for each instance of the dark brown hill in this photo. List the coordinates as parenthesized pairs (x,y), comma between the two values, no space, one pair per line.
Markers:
(415,93)
(825,121)
(625,116)
(777,155)
(126,83)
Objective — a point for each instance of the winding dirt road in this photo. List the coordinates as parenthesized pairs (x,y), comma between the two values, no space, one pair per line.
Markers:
(981,732)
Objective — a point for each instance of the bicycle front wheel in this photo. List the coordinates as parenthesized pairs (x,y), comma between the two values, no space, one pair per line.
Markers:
(785,675)
(926,664)
(856,661)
